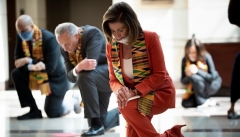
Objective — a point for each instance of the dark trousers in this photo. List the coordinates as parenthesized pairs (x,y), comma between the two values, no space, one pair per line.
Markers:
(235,87)
(96,92)
(190,102)
(53,104)
(200,94)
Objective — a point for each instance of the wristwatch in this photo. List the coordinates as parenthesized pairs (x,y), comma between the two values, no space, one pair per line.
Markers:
(136,92)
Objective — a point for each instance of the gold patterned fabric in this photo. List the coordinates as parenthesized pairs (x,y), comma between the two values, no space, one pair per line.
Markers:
(37,79)
(76,57)
(141,71)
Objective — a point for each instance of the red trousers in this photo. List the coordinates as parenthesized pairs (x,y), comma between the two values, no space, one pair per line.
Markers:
(139,125)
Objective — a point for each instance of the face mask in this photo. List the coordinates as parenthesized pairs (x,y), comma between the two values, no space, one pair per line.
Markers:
(26,35)
(123,40)
(192,59)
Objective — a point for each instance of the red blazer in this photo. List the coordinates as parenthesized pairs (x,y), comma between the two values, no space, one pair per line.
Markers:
(159,80)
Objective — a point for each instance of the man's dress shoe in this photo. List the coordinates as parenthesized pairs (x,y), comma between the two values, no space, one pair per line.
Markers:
(31,115)
(94,132)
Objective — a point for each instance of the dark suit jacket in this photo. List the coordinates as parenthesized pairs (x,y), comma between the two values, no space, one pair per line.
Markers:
(53,61)
(93,47)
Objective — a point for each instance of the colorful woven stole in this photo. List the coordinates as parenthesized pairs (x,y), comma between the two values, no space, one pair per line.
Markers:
(141,71)
(200,65)
(37,79)
(76,57)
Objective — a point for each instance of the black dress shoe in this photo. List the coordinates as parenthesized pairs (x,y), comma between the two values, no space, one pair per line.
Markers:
(31,115)
(94,132)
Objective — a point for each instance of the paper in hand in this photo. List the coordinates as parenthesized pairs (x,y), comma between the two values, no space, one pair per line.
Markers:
(134,97)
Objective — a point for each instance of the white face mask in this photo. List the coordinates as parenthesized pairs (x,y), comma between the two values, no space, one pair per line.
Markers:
(123,40)
(192,59)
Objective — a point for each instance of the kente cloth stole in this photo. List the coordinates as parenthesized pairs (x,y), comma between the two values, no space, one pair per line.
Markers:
(76,57)
(37,79)
(141,71)
(200,65)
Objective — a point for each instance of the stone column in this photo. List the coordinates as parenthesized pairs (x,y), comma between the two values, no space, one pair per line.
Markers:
(4,69)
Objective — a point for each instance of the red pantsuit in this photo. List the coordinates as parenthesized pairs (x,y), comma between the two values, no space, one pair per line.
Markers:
(138,124)
(159,81)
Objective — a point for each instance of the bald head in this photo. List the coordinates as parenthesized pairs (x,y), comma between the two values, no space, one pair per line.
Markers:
(24,23)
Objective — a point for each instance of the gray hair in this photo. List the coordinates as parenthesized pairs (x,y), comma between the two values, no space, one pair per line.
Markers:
(69,28)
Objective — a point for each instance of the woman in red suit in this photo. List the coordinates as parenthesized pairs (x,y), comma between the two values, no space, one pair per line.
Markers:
(137,72)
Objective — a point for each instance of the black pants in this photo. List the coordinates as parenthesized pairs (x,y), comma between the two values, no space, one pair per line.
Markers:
(96,92)
(235,87)
(190,102)
(53,104)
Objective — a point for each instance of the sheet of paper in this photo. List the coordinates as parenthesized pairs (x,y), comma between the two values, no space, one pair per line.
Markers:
(134,97)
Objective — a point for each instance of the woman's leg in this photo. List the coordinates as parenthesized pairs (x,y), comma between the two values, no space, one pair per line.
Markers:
(130,131)
(199,89)
(175,131)
(139,125)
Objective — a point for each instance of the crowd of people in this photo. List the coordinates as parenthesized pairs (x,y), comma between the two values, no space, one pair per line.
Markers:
(123,59)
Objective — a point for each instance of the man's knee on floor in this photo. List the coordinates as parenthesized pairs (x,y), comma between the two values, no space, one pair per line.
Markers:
(52,113)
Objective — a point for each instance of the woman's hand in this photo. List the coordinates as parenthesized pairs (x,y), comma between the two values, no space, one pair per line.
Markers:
(123,94)
(192,69)
(188,73)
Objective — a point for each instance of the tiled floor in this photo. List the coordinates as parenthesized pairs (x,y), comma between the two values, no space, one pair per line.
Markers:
(207,122)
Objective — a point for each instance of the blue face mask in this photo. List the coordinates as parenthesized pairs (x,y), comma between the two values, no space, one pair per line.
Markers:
(26,35)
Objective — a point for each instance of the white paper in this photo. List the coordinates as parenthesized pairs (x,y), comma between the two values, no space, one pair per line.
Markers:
(134,97)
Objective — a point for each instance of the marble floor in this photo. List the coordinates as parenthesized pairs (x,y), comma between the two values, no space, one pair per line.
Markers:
(204,122)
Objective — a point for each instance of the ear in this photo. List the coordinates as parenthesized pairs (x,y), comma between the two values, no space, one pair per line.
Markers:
(76,36)
(32,26)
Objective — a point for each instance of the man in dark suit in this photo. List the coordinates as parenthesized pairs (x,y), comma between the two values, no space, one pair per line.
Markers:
(83,50)
(39,65)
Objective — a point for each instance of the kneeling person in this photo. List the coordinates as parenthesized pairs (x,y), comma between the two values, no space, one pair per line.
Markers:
(39,65)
